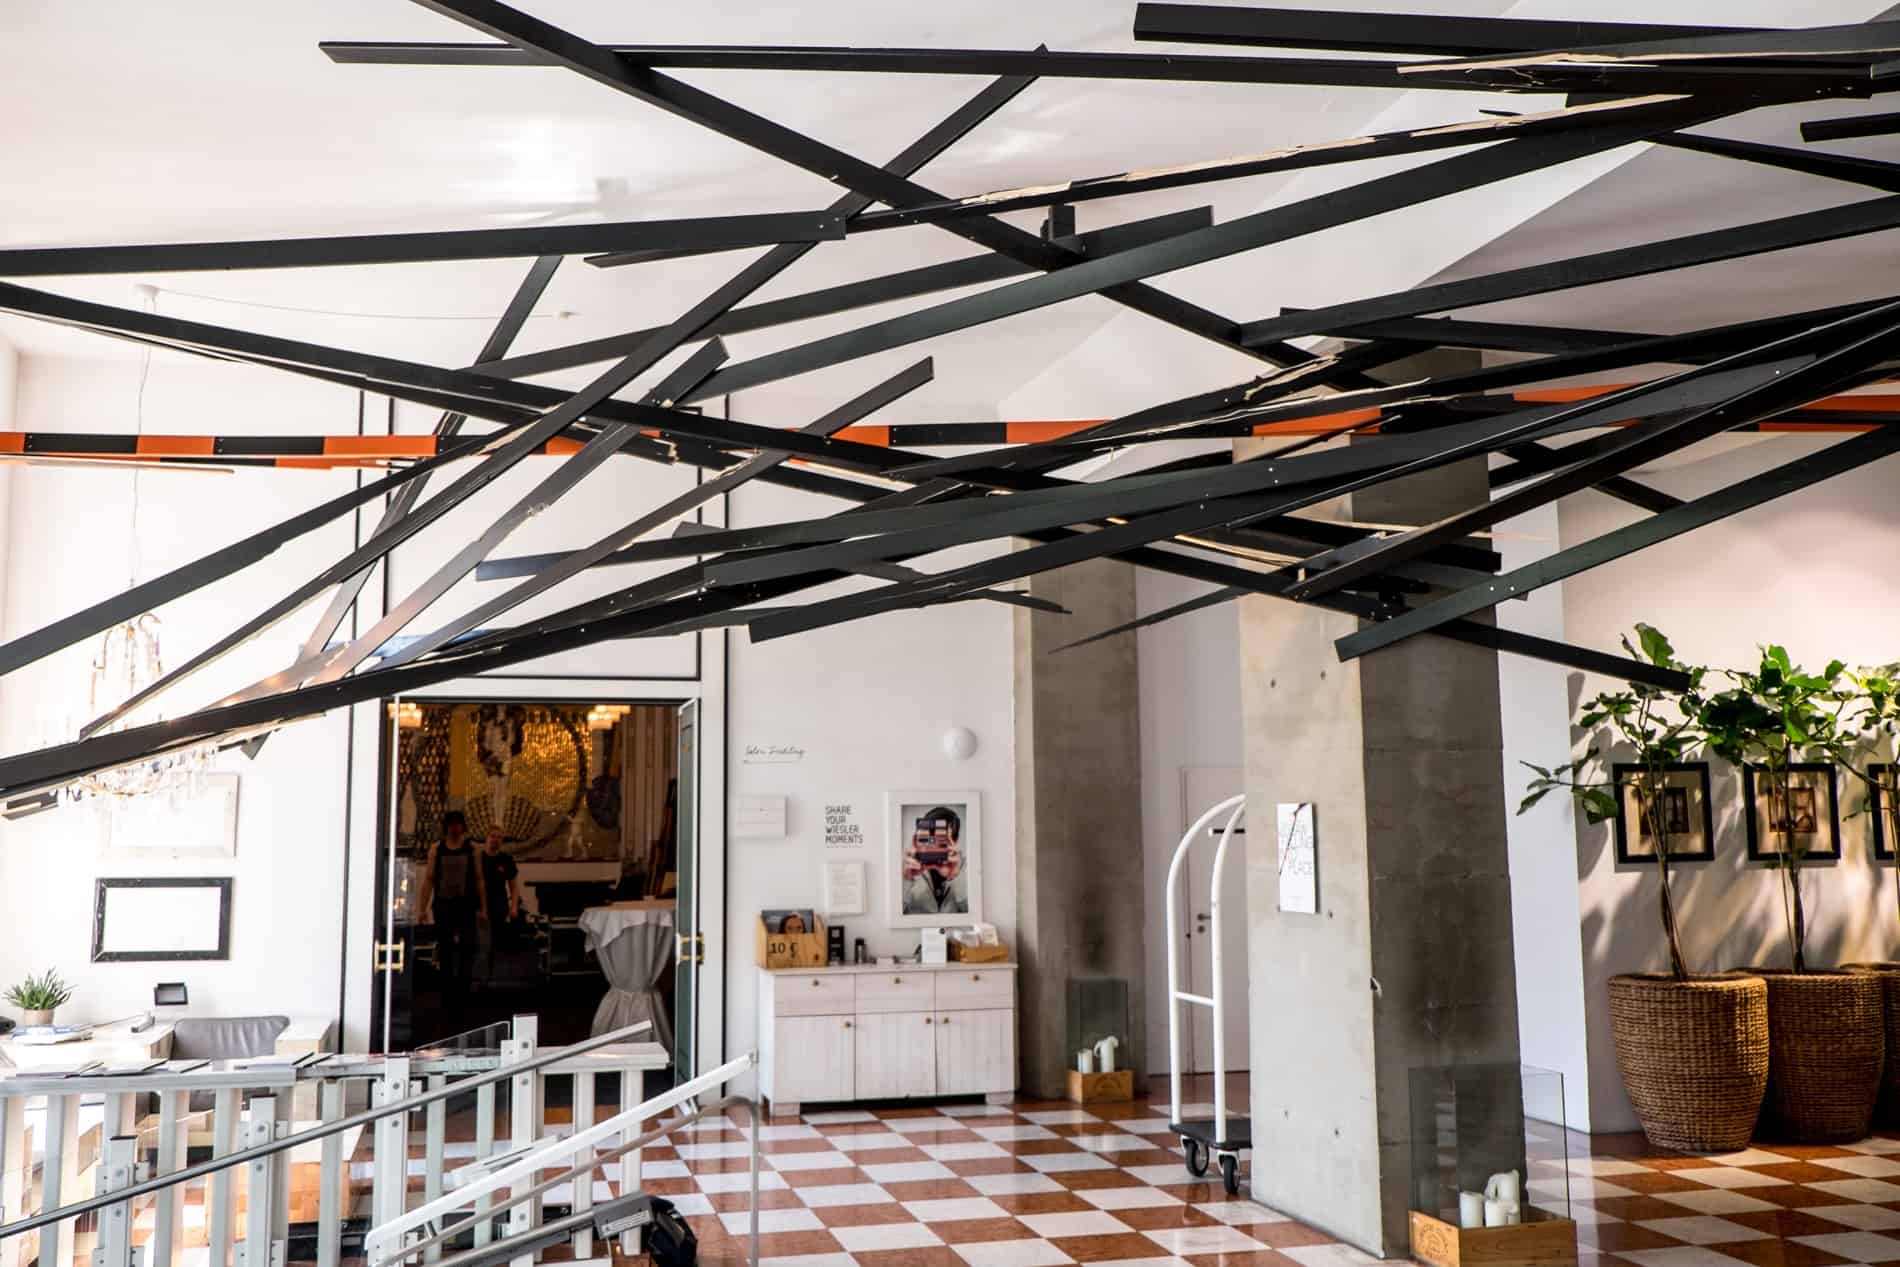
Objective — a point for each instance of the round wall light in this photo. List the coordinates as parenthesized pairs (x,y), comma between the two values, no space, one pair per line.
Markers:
(959,742)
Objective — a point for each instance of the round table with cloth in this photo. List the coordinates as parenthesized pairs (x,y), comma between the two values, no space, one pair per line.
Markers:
(634,943)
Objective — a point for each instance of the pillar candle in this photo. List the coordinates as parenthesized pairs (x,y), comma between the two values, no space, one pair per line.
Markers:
(1493,1212)
(1471,1209)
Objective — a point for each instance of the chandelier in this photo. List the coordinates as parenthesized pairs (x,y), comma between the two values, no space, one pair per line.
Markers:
(128,661)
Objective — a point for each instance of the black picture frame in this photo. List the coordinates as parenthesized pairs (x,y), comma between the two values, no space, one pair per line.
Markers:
(1626,853)
(1761,851)
(105,884)
(1881,772)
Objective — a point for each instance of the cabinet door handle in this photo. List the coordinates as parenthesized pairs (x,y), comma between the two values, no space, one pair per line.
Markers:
(897,981)
(814,983)
(926,1020)
(847,1024)
(976,976)
(946,1020)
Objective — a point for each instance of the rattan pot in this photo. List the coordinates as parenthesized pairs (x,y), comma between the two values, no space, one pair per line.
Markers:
(1694,1056)
(1827,1044)
(1887,1107)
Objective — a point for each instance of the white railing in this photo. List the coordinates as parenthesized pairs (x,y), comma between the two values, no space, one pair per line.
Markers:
(117,1189)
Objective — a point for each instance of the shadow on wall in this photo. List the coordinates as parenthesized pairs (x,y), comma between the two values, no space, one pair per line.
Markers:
(1729,908)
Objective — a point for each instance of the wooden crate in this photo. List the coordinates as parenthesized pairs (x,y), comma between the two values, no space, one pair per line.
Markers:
(1540,1241)
(1087,1088)
(795,950)
(979,954)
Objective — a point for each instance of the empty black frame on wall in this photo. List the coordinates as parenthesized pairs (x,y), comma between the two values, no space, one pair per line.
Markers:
(1627,851)
(1765,851)
(102,890)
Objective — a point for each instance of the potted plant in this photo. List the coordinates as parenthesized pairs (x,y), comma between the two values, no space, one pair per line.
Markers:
(1827,1041)
(1692,1048)
(38,997)
(1867,723)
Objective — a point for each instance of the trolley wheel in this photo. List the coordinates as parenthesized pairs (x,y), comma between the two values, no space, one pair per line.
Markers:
(1194,1156)
(1230,1174)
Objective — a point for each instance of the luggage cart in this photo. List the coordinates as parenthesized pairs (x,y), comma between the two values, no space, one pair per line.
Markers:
(1219,1137)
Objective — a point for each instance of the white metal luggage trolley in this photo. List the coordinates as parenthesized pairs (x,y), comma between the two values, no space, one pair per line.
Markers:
(1217,1136)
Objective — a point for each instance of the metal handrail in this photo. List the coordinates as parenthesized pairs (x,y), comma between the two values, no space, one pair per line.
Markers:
(273,1147)
(451,1231)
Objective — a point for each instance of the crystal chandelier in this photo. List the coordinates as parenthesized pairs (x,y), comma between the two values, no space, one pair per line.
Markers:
(128,661)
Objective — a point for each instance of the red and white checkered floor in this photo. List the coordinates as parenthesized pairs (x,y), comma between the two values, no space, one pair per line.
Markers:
(975,1186)
(1772,1205)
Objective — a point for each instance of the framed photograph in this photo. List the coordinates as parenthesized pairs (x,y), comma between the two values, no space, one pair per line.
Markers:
(1811,811)
(1688,817)
(163,828)
(150,920)
(1886,778)
(935,858)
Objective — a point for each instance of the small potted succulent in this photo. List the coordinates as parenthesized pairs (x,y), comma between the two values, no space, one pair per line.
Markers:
(1692,1047)
(38,997)
(1827,1038)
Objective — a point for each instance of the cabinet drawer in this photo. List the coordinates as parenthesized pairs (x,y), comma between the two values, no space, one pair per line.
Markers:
(975,988)
(812,993)
(895,991)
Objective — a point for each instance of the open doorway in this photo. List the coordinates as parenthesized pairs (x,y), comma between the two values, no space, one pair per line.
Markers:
(529,864)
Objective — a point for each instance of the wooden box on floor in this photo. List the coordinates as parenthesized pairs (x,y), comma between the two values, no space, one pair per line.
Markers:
(1537,1242)
(1089,1088)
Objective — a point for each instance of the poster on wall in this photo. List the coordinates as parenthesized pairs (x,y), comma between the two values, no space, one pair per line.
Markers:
(1299,858)
(842,829)
(934,862)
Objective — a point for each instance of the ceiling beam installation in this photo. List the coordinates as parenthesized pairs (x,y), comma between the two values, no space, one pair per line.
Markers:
(1538,411)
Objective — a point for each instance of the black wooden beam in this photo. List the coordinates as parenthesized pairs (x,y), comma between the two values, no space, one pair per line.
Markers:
(1398,33)
(1791,477)
(1278,224)
(831,300)
(1850,127)
(722,232)
(1805,229)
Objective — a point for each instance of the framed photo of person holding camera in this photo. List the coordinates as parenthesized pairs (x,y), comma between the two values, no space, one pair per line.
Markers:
(934,862)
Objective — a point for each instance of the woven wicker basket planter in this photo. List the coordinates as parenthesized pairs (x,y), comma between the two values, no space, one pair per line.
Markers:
(1887,1107)
(1827,1046)
(1694,1056)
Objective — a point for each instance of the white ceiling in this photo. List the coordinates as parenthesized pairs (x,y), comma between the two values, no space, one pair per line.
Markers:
(220,119)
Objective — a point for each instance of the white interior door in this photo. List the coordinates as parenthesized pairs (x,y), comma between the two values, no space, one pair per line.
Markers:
(1203,787)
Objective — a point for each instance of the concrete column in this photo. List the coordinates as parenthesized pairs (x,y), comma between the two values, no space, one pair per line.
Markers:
(1409,962)
(1078,815)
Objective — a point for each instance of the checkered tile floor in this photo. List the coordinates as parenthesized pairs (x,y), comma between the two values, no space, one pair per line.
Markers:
(1774,1205)
(974,1186)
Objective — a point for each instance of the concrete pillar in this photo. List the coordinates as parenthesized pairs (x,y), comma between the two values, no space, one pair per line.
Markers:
(1078,815)
(1409,962)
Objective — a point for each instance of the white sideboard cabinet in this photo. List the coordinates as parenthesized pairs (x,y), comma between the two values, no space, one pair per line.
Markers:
(878,1032)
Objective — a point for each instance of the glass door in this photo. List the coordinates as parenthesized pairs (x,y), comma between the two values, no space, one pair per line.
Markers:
(690,942)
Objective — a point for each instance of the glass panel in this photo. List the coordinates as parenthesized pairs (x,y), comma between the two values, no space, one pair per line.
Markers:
(1489,1144)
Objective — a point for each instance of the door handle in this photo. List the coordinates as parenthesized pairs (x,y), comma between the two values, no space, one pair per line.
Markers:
(691,947)
(391,956)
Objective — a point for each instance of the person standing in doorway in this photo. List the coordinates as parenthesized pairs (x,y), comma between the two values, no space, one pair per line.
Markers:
(501,891)
(454,893)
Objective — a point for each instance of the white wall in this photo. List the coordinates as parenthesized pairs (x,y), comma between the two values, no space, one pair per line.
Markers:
(1533,702)
(309,800)
(68,536)
(868,704)
(1190,716)
(1808,571)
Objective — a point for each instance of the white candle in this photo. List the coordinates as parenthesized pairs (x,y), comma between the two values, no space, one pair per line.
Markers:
(1471,1209)
(1493,1212)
